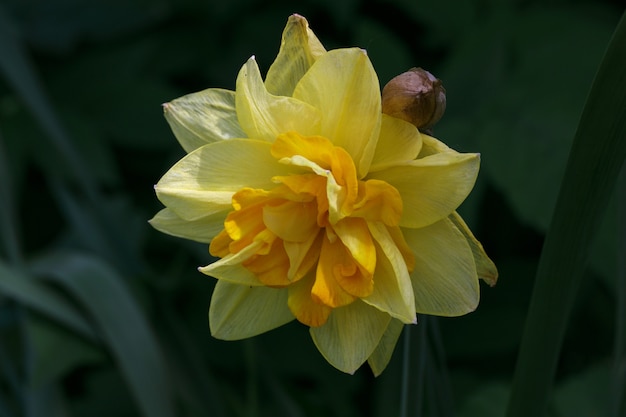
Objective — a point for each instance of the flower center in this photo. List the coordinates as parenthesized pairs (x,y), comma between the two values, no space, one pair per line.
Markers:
(314,224)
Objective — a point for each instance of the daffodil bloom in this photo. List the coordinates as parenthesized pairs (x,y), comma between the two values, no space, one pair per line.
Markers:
(320,207)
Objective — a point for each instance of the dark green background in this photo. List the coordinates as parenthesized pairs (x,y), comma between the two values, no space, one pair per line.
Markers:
(85,282)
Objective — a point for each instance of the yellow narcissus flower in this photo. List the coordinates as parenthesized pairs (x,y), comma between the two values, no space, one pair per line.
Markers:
(320,207)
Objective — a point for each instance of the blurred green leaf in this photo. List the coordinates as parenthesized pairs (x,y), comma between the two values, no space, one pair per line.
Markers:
(585,394)
(488,400)
(595,160)
(101,292)
(56,351)
(529,127)
(37,295)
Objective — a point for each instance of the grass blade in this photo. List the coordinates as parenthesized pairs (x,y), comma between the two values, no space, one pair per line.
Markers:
(594,163)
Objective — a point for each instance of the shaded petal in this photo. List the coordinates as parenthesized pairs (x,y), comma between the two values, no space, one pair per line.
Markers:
(230,268)
(302,305)
(263,115)
(292,221)
(240,311)
(299,48)
(350,335)
(399,142)
(203,117)
(432,187)
(393,291)
(333,261)
(343,85)
(201,230)
(431,146)
(444,279)
(381,356)
(204,181)
(485,267)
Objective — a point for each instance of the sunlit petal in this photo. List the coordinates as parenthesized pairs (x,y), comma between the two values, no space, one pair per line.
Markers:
(399,142)
(349,101)
(204,181)
(393,291)
(263,115)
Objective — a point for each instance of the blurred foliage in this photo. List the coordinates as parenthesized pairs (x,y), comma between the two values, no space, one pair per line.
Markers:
(101,315)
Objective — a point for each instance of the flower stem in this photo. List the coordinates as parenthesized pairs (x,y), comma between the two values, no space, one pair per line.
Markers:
(406,366)
(618,403)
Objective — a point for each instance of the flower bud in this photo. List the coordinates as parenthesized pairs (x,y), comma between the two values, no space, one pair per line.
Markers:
(416,96)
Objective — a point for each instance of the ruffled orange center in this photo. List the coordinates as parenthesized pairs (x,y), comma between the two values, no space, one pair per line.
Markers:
(312,225)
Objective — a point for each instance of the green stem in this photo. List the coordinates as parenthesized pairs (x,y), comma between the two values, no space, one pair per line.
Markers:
(406,365)
(597,155)
(618,405)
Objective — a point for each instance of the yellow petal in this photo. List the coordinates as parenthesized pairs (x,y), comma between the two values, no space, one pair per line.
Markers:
(263,115)
(326,289)
(201,230)
(431,146)
(350,335)
(302,305)
(240,311)
(393,291)
(292,221)
(230,268)
(271,268)
(303,256)
(444,279)
(485,267)
(203,117)
(378,201)
(380,357)
(204,181)
(355,236)
(344,87)
(299,48)
(432,187)
(399,142)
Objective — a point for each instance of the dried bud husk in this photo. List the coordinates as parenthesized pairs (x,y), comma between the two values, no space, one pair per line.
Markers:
(416,96)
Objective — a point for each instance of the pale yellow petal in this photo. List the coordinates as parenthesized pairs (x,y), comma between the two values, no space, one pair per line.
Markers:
(240,311)
(444,280)
(350,335)
(393,291)
(263,115)
(381,356)
(204,181)
(342,84)
(485,267)
(399,142)
(299,48)
(201,230)
(203,117)
(230,268)
(432,187)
